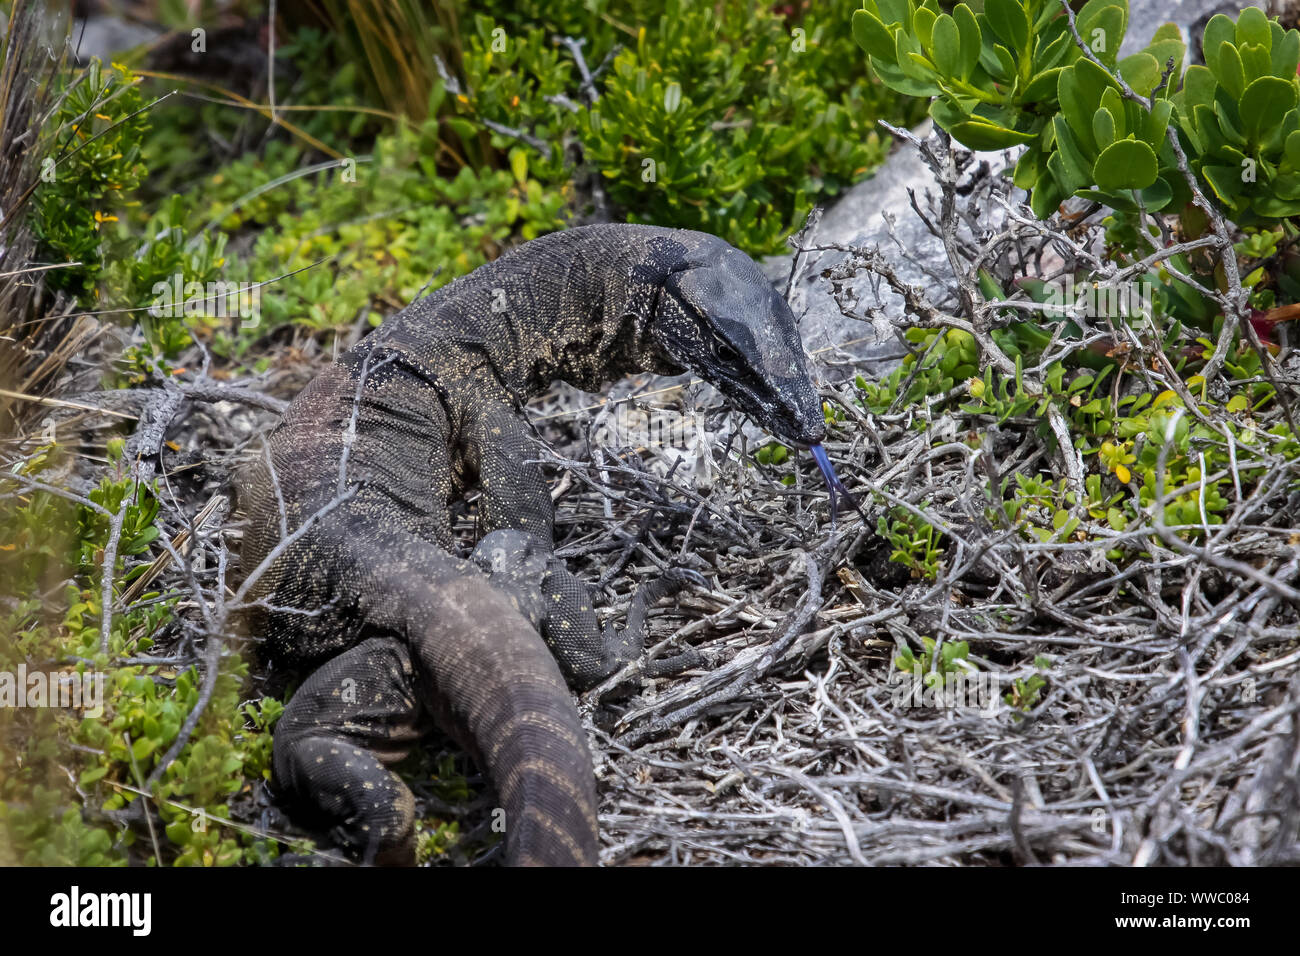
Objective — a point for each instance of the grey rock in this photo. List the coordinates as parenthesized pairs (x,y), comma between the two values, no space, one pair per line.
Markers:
(106,36)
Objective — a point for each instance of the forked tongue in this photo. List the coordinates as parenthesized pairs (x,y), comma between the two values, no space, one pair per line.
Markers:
(834,486)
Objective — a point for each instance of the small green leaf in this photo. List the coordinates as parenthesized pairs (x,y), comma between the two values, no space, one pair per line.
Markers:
(1219,30)
(1140,71)
(946,44)
(1293,149)
(1042,87)
(1286,54)
(1103,128)
(143,747)
(519,165)
(1231,74)
(1103,31)
(872,36)
(1252,27)
(1264,103)
(971,38)
(1006,63)
(1158,121)
(895,11)
(1075,166)
(1009,22)
(672,97)
(1198,86)
(923,26)
(1126,164)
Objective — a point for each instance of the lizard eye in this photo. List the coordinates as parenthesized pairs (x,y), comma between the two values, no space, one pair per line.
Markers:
(725,352)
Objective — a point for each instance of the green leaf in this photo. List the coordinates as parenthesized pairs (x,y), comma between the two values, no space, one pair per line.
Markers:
(989,287)
(1055,53)
(1272,208)
(1198,87)
(1255,60)
(1140,71)
(1075,166)
(923,26)
(1252,27)
(1075,106)
(143,747)
(1293,150)
(946,46)
(1031,166)
(894,11)
(1225,181)
(1114,103)
(947,112)
(1126,164)
(1230,74)
(897,80)
(1103,128)
(872,36)
(1158,195)
(1229,123)
(1286,54)
(1163,51)
(1103,31)
(979,134)
(519,164)
(1042,87)
(1219,30)
(1158,122)
(1006,63)
(1009,22)
(907,52)
(971,39)
(1264,103)
(1048,194)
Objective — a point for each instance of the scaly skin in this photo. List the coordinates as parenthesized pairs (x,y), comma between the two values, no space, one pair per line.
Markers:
(396,630)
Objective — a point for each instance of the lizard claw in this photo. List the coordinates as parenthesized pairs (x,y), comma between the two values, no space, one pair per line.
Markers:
(689,659)
(679,579)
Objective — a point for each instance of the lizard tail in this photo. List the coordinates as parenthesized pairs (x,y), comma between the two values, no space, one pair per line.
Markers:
(492,683)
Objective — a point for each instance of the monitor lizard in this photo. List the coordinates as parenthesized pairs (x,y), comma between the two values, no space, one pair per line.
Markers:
(348,517)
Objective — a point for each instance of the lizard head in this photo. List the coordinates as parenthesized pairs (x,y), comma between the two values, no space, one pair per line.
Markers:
(716,314)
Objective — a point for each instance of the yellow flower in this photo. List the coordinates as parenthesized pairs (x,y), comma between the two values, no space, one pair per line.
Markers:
(101,218)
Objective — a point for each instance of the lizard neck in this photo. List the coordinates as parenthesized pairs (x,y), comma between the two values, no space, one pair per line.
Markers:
(567,307)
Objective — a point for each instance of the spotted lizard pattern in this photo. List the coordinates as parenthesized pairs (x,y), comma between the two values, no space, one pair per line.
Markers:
(359,585)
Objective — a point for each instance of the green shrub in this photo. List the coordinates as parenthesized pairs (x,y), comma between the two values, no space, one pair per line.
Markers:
(1014,75)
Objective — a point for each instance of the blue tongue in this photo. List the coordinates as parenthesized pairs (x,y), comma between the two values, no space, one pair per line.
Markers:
(834,486)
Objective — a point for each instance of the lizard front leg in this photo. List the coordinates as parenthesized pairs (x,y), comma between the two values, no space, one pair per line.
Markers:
(515,496)
(558,604)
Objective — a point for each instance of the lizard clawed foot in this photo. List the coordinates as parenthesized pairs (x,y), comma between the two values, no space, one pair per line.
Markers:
(672,666)
(672,581)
